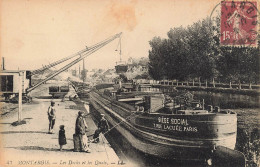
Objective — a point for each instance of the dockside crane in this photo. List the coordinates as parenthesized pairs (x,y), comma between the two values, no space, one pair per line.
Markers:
(13,82)
(37,71)
(82,54)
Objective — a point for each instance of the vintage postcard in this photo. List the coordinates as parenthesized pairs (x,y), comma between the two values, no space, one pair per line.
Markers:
(129,83)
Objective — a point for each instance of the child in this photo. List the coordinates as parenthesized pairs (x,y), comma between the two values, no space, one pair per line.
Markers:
(62,137)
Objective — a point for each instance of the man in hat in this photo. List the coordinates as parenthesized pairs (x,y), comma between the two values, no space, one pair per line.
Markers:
(80,131)
(51,116)
(103,124)
(102,128)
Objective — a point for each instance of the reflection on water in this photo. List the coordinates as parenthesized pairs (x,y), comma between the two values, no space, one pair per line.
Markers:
(225,100)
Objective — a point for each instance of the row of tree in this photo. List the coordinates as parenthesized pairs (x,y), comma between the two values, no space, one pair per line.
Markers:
(195,52)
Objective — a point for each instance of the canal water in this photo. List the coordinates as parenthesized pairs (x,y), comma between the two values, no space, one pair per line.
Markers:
(223,100)
(227,100)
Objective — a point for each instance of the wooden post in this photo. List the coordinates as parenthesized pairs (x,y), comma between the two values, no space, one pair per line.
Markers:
(177,83)
(230,86)
(120,83)
(3,63)
(203,103)
(213,82)
(250,85)
(239,85)
(193,83)
(199,82)
(206,83)
(86,106)
(20,96)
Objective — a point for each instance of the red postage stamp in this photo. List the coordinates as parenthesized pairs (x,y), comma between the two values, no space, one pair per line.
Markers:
(238,23)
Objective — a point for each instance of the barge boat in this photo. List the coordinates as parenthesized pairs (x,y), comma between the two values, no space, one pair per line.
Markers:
(167,130)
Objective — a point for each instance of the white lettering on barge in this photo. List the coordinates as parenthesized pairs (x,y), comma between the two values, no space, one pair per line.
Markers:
(174,124)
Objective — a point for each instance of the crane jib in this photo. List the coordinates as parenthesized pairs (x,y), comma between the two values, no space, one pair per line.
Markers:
(87,52)
(63,60)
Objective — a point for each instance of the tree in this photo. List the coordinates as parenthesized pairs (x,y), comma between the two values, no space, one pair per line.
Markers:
(195,52)
(156,66)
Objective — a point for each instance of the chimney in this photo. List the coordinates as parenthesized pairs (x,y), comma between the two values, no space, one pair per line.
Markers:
(3,63)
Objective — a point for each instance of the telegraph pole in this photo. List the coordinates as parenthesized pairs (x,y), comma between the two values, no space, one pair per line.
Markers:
(20,108)
(79,71)
(84,71)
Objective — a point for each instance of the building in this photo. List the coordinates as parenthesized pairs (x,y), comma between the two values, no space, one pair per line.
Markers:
(10,81)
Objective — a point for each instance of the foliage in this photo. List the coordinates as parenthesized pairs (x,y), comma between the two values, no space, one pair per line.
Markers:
(135,62)
(195,52)
(249,144)
(123,77)
(144,75)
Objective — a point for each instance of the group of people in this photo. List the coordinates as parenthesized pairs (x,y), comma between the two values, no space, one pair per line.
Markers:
(80,137)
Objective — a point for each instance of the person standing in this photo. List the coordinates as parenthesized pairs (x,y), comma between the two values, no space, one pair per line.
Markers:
(80,131)
(51,116)
(62,137)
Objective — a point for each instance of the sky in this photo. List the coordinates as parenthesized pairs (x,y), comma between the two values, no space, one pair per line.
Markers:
(39,32)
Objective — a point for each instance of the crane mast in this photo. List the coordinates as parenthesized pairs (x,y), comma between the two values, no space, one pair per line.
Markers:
(83,54)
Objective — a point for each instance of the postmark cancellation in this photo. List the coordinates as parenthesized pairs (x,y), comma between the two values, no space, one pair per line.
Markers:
(239,24)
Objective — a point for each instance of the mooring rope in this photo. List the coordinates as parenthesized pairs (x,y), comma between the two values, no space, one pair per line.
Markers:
(104,144)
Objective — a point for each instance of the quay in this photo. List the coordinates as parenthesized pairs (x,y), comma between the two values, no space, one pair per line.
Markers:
(30,144)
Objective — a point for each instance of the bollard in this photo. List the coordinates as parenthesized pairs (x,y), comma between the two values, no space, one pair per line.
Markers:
(217,109)
(210,108)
